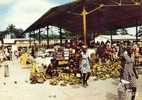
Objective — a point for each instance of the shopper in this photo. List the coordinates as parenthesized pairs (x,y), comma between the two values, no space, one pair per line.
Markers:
(129,72)
(85,66)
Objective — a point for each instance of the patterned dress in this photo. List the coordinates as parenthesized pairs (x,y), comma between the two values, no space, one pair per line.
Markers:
(85,65)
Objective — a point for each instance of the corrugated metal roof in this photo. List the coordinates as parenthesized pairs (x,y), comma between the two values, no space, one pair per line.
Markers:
(106,18)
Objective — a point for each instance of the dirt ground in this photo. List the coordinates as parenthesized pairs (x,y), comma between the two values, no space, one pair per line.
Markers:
(17,87)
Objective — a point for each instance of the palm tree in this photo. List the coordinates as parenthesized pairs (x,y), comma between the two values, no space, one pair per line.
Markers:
(15,32)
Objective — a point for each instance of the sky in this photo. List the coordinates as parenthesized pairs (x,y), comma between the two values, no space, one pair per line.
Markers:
(22,13)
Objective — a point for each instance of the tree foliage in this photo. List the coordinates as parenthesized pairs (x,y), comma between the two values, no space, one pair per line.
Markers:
(15,32)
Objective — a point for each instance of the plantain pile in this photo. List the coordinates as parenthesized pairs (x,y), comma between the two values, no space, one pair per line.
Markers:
(65,79)
(106,70)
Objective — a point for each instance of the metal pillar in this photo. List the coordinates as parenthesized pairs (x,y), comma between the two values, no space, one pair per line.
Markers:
(30,39)
(47,36)
(34,39)
(39,37)
(111,37)
(84,15)
(94,41)
(60,32)
(136,34)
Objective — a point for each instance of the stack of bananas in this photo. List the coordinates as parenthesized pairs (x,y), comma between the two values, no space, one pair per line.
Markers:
(62,62)
(24,58)
(36,75)
(64,79)
(54,82)
(106,70)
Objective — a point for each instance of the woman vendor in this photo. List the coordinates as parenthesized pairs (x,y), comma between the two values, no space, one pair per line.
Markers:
(85,66)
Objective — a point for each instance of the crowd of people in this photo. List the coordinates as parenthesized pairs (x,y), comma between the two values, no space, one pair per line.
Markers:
(5,54)
(126,52)
(106,51)
(79,62)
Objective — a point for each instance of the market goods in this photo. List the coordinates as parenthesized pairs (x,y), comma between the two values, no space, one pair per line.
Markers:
(106,70)
(36,75)
(62,62)
(53,82)
(24,58)
(65,78)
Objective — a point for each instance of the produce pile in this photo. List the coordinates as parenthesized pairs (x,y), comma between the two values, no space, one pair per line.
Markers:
(107,70)
(65,79)
(100,71)
(103,71)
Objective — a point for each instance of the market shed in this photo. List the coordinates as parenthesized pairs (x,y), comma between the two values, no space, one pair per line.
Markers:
(90,16)
(106,38)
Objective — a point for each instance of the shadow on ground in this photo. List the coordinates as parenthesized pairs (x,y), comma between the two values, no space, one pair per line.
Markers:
(115,82)
(111,96)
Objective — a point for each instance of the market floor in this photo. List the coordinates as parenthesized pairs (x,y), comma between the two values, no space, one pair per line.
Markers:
(17,87)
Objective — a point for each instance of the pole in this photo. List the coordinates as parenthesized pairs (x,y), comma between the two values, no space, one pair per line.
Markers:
(60,36)
(47,36)
(39,37)
(136,34)
(111,37)
(84,14)
(34,39)
(94,41)
(6,70)
(30,39)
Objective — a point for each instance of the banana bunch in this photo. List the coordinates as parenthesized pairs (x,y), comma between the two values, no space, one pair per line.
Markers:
(24,58)
(62,62)
(64,78)
(54,82)
(106,70)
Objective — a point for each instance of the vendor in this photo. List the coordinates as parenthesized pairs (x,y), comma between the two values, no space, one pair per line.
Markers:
(85,66)
(129,72)
(51,69)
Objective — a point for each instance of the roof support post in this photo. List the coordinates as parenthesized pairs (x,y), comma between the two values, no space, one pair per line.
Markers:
(60,32)
(34,39)
(136,33)
(94,40)
(30,39)
(39,37)
(84,14)
(47,36)
(111,37)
